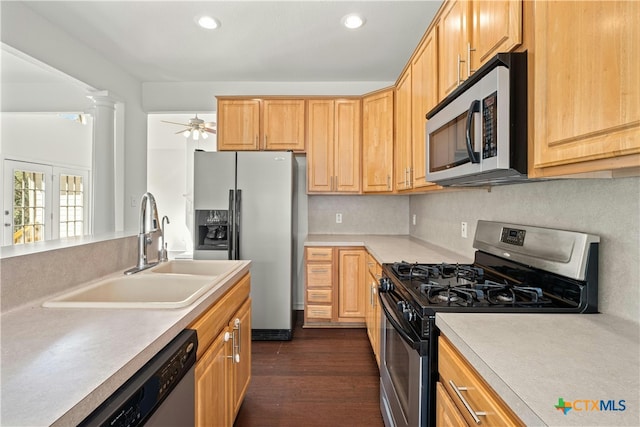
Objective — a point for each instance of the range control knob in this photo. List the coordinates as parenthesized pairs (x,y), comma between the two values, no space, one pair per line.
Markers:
(402,306)
(386,285)
(409,314)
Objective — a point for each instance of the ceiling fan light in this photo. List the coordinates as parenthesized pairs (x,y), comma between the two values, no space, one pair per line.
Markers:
(196,135)
(186,133)
(204,134)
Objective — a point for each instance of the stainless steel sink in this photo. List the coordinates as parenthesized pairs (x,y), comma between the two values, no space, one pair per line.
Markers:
(141,291)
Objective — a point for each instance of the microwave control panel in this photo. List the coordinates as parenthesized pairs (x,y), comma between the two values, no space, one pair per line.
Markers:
(489,126)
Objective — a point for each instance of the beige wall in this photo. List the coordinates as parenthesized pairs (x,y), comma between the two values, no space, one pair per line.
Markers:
(360,214)
(608,208)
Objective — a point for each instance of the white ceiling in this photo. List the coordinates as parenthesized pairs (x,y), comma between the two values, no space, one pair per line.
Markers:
(278,41)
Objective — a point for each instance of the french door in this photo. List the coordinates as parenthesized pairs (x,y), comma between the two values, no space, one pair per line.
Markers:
(43,202)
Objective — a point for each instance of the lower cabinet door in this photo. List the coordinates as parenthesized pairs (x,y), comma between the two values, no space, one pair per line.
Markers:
(447,414)
(212,390)
(241,326)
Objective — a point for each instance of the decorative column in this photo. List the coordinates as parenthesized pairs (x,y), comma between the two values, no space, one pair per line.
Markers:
(103,164)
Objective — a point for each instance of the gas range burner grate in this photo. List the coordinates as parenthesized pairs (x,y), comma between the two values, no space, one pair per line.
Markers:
(408,271)
(464,295)
(507,293)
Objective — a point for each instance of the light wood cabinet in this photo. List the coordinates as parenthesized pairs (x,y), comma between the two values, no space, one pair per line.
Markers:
(471,32)
(416,94)
(238,124)
(453,38)
(334,146)
(467,392)
(261,124)
(496,26)
(223,365)
(335,289)
(377,142)
(586,87)
(319,275)
(447,414)
(373,311)
(351,285)
(403,144)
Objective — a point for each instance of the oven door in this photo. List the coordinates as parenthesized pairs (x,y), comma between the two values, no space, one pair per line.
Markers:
(403,371)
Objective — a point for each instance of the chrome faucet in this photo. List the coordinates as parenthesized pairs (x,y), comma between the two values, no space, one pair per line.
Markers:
(148,225)
(162,253)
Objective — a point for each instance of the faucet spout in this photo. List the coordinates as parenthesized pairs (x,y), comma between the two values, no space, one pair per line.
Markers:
(149,223)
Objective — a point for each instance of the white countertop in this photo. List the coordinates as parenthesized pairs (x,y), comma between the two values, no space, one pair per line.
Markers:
(388,249)
(532,360)
(59,364)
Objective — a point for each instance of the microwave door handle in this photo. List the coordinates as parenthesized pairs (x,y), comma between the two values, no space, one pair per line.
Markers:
(474,108)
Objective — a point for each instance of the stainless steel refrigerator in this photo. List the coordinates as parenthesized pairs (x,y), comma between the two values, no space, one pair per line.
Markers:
(244,209)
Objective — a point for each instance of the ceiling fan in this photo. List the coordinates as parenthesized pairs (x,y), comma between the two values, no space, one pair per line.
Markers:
(196,128)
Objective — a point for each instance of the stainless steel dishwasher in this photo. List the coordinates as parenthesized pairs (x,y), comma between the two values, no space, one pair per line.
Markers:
(161,393)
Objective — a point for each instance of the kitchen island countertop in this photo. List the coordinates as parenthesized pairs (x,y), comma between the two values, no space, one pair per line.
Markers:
(533,360)
(59,364)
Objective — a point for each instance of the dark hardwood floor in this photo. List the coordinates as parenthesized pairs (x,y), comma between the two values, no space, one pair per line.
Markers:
(323,377)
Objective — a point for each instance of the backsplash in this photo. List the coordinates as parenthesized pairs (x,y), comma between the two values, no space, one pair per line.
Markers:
(28,278)
(608,208)
(360,214)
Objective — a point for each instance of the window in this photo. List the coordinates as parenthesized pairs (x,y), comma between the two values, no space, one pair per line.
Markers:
(44,202)
(71,205)
(29,223)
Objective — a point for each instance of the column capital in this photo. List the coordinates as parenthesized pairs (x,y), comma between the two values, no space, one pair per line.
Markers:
(102,98)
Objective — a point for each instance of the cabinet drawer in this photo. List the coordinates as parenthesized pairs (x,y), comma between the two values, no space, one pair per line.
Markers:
(319,254)
(456,372)
(319,311)
(319,295)
(319,275)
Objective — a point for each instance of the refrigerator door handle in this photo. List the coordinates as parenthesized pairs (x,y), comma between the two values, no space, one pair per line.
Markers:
(230,224)
(236,234)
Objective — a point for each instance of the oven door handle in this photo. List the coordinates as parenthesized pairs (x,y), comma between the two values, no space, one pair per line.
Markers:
(413,341)
(474,108)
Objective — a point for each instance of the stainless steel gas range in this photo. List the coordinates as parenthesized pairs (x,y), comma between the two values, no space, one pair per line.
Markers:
(516,268)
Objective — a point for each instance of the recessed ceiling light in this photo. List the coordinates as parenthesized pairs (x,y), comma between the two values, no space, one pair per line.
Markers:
(353,21)
(208,22)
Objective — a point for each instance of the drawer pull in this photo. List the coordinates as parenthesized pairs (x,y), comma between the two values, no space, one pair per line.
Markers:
(319,254)
(473,413)
(319,270)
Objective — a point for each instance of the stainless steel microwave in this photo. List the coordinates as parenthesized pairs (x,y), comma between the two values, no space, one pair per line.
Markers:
(478,134)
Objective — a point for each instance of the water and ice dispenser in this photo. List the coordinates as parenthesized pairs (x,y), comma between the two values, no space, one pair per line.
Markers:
(214,230)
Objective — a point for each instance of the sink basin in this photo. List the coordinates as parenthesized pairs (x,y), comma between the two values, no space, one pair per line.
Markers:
(138,291)
(195,267)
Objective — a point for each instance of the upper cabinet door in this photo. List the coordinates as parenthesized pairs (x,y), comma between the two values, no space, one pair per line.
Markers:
(238,124)
(283,124)
(402,141)
(586,86)
(497,27)
(320,150)
(377,142)
(452,45)
(348,142)
(424,96)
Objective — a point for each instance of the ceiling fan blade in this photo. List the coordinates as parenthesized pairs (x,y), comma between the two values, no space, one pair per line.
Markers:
(183,130)
(210,130)
(210,124)
(174,123)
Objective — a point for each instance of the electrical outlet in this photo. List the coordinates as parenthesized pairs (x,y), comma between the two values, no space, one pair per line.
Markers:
(463,229)
(413,219)
(338,218)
